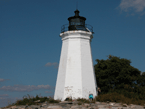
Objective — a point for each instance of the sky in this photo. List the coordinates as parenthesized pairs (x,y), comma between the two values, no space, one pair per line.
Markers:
(30,45)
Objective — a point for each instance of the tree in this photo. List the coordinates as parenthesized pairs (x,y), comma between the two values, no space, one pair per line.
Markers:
(117,75)
(142,79)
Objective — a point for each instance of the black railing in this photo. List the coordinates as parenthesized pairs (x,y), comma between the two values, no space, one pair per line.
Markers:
(87,28)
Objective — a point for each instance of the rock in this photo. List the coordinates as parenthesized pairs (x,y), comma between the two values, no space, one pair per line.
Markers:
(75,107)
(136,107)
(110,107)
(118,104)
(46,102)
(34,106)
(101,106)
(119,108)
(84,108)
(125,108)
(111,104)
(38,101)
(54,107)
(66,106)
(103,103)
(75,102)
(13,107)
(20,108)
(97,103)
(43,105)
(70,105)
(65,102)
(108,101)
(124,105)
(86,105)
(95,107)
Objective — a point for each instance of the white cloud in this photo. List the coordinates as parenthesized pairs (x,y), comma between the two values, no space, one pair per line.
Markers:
(49,64)
(137,6)
(4,101)
(24,88)
(48,92)
(4,95)
(1,80)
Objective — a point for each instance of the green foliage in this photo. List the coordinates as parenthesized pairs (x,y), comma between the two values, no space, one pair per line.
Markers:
(120,98)
(117,79)
(27,100)
(117,75)
(83,100)
(79,103)
(53,101)
(68,99)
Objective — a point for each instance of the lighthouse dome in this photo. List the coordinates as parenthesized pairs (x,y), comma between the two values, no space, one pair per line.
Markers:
(77,22)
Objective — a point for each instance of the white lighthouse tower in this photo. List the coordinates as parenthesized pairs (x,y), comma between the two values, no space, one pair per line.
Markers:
(76,78)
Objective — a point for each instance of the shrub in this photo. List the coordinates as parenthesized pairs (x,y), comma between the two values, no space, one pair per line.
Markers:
(68,99)
(83,100)
(53,101)
(116,97)
(27,100)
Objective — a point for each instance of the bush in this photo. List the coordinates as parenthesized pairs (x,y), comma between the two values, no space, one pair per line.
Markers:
(68,99)
(53,101)
(116,97)
(83,100)
(27,100)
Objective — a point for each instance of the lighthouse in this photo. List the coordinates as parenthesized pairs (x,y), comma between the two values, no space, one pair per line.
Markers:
(76,77)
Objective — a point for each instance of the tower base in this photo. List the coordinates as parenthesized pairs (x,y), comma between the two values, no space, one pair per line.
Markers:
(76,78)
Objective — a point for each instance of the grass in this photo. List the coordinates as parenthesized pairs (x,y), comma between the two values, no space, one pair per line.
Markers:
(27,100)
(119,98)
(111,97)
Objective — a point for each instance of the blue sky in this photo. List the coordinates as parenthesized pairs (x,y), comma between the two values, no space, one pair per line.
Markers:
(30,45)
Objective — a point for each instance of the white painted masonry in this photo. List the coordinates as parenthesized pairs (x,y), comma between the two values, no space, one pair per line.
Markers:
(76,76)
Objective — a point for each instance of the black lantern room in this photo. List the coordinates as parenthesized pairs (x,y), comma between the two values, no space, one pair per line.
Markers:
(77,23)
